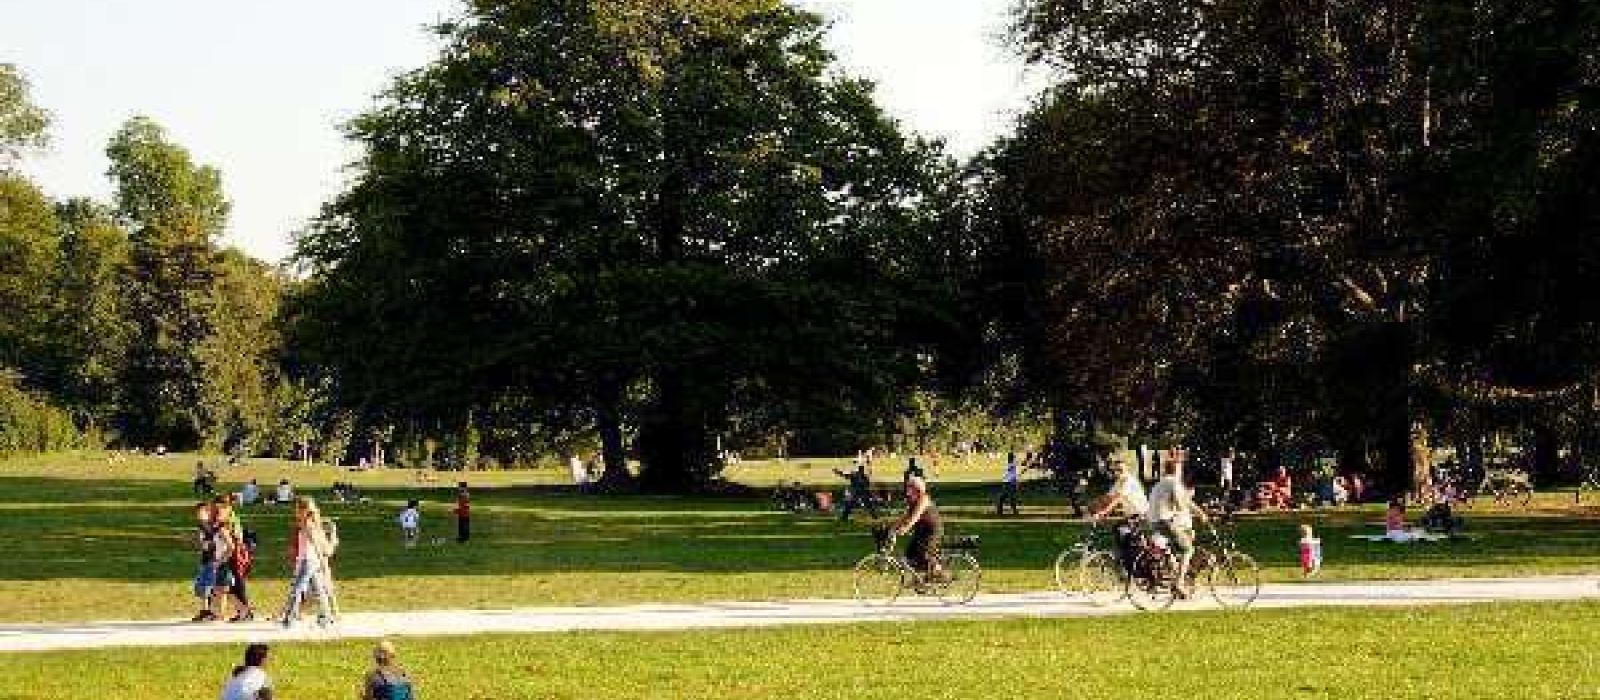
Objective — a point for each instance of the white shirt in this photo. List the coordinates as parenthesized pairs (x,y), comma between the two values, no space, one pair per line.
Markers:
(1227,470)
(409,518)
(1128,489)
(249,494)
(247,685)
(285,493)
(580,476)
(1170,502)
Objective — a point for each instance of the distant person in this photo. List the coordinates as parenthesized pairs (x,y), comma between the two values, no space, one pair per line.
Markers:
(204,481)
(387,681)
(1009,487)
(463,511)
(411,523)
(1394,521)
(858,492)
(580,474)
(309,550)
(1225,473)
(250,682)
(285,493)
(250,493)
(913,470)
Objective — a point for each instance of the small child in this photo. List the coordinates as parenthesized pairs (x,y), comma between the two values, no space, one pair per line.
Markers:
(411,523)
(1310,552)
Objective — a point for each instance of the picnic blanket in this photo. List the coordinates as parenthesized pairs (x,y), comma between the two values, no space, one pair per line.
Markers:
(1406,537)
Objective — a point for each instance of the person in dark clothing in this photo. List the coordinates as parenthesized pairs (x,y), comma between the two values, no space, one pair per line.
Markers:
(913,470)
(924,526)
(463,513)
(859,493)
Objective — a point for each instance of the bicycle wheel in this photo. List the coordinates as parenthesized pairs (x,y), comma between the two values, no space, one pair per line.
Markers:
(1234,579)
(1150,587)
(965,577)
(878,579)
(1097,577)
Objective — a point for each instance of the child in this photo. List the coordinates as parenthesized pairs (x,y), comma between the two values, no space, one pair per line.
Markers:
(1310,552)
(410,523)
(1394,521)
(463,512)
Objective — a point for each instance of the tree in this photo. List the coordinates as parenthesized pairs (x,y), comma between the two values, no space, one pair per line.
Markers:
(174,210)
(629,213)
(28,251)
(91,327)
(23,125)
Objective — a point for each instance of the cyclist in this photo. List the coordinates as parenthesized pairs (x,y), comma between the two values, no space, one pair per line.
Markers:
(922,522)
(1173,511)
(1128,495)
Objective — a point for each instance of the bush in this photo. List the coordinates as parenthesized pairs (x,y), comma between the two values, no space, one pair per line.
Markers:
(30,425)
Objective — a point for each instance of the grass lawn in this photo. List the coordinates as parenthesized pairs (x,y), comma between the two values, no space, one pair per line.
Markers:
(1490,651)
(84,540)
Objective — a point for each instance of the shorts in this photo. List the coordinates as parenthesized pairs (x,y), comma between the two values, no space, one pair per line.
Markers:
(1182,538)
(204,580)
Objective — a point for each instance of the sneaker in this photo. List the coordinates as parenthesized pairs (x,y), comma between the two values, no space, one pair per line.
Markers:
(204,616)
(324,621)
(244,617)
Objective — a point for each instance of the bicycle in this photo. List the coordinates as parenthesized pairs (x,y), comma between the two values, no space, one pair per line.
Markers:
(1508,486)
(1588,481)
(883,575)
(1232,576)
(1091,570)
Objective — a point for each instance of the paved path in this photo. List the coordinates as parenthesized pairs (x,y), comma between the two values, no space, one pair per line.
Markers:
(730,615)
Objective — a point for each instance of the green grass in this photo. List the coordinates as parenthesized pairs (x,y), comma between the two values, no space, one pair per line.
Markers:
(84,540)
(1527,652)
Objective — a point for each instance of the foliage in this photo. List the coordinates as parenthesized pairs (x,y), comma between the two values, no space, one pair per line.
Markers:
(23,125)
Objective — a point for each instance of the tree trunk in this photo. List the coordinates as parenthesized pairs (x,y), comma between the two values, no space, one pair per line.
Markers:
(1546,454)
(608,421)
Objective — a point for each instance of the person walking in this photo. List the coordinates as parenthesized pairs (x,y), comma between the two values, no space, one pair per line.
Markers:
(213,548)
(309,551)
(387,681)
(250,681)
(411,523)
(241,556)
(1009,487)
(1172,510)
(463,512)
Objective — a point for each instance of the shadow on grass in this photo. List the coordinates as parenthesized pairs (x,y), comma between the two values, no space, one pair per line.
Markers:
(137,530)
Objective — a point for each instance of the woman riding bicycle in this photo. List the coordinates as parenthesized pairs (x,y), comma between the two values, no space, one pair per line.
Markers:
(1128,495)
(922,522)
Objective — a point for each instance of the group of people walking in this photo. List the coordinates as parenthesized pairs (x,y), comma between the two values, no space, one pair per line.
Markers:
(228,555)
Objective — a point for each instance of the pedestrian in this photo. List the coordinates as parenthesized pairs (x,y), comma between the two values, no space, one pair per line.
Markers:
(463,512)
(411,523)
(250,682)
(580,475)
(387,681)
(241,557)
(309,550)
(1009,488)
(209,542)
(285,493)
(1310,552)
(858,494)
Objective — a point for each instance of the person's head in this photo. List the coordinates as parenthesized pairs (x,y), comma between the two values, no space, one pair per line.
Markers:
(912,461)
(916,487)
(1172,467)
(305,508)
(1305,531)
(1396,504)
(255,655)
(461,485)
(412,503)
(384,654)
(283,482)
(1283,471)
(202,513)
(252,482)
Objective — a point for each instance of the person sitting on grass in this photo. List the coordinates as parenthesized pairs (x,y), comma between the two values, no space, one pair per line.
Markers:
(387,681)
(923,524)
(285,493)
(1394,521)
(250,493)
(250,681)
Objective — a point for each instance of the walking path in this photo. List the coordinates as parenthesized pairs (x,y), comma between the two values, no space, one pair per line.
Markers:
(44,637)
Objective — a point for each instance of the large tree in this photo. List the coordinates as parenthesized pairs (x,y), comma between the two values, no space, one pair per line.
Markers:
(630,213)
(174,210)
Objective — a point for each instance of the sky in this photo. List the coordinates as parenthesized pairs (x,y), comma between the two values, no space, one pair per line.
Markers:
(259,89)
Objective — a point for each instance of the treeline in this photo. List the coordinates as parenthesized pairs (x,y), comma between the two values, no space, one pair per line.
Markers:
(660,228)
(123,322)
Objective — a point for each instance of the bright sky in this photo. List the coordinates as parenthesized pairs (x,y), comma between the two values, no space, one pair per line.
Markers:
(258,89)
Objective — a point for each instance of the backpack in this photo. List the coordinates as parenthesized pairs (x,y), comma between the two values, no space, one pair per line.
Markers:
(393,687)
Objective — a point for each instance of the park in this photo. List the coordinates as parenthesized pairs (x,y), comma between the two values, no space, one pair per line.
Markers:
(787,348)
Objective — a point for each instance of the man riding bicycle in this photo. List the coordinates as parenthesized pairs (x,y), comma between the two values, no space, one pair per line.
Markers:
(1173,510)
(922,522)
(1128,495)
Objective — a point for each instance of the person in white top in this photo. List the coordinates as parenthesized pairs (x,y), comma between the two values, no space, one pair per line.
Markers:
(580,475)
(250,493)
(250,681)
(1008,488)
(1126,494)
(411,523)
(1172,510)
(285,494)
(1225,473)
